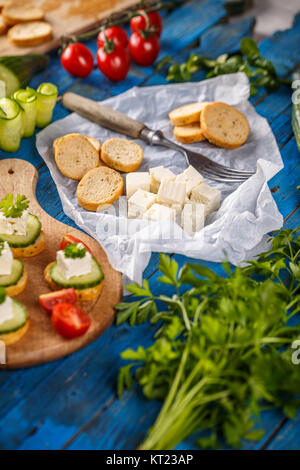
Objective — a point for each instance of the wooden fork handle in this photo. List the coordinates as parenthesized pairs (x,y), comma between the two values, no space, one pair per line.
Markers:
(103,115)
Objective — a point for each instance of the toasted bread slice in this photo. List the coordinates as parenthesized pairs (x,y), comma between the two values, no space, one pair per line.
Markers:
(32,250)
(16,12)
(95,142)
(99,188)
(224,126)
(3,26)
(122,154)
(189,134)
(18,288)
(3,3)
(75,155)
(89,293)
(30,34)
(186,114)
(15,336)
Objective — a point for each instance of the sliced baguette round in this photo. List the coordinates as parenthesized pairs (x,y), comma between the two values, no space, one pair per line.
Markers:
(3,26)
(90,293)
(15,336)
(32,250)
(30,34)
(18,288)
(189,134)
(95,142)
(186,114)
(16,12)
(122,154)
(99,188)
(224,126)
(75,155)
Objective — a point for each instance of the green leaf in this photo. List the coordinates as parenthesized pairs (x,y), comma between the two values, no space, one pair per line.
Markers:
(74,251)
(256,435)
(249,47)
(127,311)
(138,355)
(169,268)
(139,291)
(124,379)
(14,209)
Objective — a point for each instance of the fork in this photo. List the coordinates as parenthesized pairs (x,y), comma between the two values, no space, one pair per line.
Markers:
(119,122)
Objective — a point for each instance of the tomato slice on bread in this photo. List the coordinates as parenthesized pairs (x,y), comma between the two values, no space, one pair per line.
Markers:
(47,301)
(69,239)
(69,321)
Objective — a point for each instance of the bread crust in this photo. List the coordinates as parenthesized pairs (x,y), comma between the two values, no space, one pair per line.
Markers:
(14,13)
(89,293)
(67,163)
(15,34)
(224,126)
(3,26)
(11,338)
(122,162)
(86,195)
(186,114)
(18,288)
(32,250)
(189,134)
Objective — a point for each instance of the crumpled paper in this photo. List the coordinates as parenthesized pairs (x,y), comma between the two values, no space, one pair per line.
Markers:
(237,232)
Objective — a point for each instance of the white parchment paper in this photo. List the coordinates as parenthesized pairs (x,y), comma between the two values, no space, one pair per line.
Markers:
(248,211)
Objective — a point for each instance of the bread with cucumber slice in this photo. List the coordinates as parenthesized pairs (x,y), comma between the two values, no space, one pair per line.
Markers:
(14,321)
(87,282)
(15,282)
(20,229)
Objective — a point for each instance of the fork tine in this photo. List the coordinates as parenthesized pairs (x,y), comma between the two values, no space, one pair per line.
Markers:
(215,170)
(196,158)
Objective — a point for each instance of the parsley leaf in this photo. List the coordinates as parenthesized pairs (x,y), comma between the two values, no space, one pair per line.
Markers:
(14,209)
(74,251)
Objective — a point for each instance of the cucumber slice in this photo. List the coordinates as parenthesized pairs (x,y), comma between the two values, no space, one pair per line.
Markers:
(18,321)
(27,100)
(19,241)
(46,101)
(11,125)
(16,274)
(78,282)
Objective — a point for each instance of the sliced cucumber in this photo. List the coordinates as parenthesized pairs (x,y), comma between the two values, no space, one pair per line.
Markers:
(16,274)
(46,101)
(11,125)
(27,100)
(18,321)
(78,282)
(19,241)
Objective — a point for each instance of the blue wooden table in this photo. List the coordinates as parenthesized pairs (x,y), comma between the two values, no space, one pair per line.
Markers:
(72,403)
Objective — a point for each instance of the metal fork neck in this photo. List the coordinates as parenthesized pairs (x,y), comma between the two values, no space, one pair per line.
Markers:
(157,138)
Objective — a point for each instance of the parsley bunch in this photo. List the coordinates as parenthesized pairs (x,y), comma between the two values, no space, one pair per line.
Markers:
(259,70)
(74,251)
(222,351)
(9,208)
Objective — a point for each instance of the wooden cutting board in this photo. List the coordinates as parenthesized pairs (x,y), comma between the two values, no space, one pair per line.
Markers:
(41,343)
(66,17)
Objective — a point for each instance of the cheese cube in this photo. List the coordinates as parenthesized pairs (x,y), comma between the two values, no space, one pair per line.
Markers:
(6,310)
(193,217)
(171,192)
(139,202)
(6,259)
(135,181)
(71,267)
(208,196)
(191,177)
(157,174)
(158,212)
(14,225)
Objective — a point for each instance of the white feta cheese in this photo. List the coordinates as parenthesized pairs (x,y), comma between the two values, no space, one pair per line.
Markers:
(14,225)
(6,259)
(171,192)
(139,202)
(71,267)
(208,196)
(135,181)
(157,174)
(158,212)
(193,217)
(6,310)
(191,177)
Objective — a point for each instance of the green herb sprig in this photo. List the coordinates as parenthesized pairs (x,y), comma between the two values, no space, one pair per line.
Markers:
(259,70)
(2,295)
(74,251)
(9,208)
(222,351)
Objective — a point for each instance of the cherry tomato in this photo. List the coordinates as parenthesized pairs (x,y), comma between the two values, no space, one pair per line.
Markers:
(47,301)
(69,321)
(69,239)
(138,23)
(143,51)
(117,34)
(78,60)
(114,65)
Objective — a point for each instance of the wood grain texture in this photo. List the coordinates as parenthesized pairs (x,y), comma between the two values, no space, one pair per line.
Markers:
(66,17)
(41,343)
